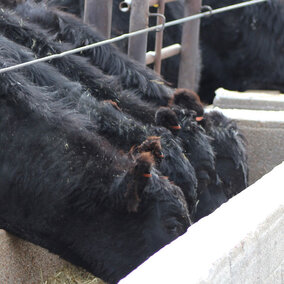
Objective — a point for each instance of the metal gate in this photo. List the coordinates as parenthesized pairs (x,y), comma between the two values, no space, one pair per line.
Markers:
(99,14)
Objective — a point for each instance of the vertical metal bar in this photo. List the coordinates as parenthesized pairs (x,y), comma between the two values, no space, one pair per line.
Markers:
(98,13)
(139,18)
(159,39)
(188,75)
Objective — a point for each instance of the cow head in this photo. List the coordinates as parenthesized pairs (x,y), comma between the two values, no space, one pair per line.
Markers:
(149,213)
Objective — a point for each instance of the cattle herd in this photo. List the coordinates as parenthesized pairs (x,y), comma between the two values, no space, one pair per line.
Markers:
(101,162)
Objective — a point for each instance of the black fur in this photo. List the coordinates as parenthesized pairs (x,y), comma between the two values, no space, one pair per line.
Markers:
(70,6)
(120,130)
(125,132)
(230,148)
(42,74)
(200,153)
(251,54)
(68,190)
(74,67)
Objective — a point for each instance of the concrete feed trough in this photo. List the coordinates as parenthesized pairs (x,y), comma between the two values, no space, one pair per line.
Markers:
(241,242)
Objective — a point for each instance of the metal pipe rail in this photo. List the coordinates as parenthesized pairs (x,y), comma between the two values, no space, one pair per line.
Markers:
(166,52)
(159,38)
(139,17)
(98,13)
(189,59)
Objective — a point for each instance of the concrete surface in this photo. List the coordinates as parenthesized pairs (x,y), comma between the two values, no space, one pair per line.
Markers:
(24,263)
(256,100)
(263,129)
(241,242)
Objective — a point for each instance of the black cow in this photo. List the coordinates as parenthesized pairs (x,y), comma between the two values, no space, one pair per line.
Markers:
(251,54)
(230,148)
(198,149)
(65,188)
(146,114)
(230,162)
(125,132)
(205,166)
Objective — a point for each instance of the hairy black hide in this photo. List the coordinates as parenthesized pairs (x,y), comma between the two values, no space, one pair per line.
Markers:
(125,132)
(39,41)
(64,187)
(121,130)
(230,148)
(200,153)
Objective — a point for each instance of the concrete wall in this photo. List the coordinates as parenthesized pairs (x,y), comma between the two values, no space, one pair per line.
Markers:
(241,242)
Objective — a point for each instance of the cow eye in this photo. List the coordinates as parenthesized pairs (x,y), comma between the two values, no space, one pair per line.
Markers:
(172,229)
(172,226)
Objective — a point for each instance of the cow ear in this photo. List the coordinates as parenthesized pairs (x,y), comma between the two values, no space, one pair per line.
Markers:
(189,100)
(139,174)
(185,97)
(113,104)
(167,118)
(153,145)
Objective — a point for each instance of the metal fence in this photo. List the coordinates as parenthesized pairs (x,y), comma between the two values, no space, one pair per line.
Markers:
(98,13)
(188,47)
